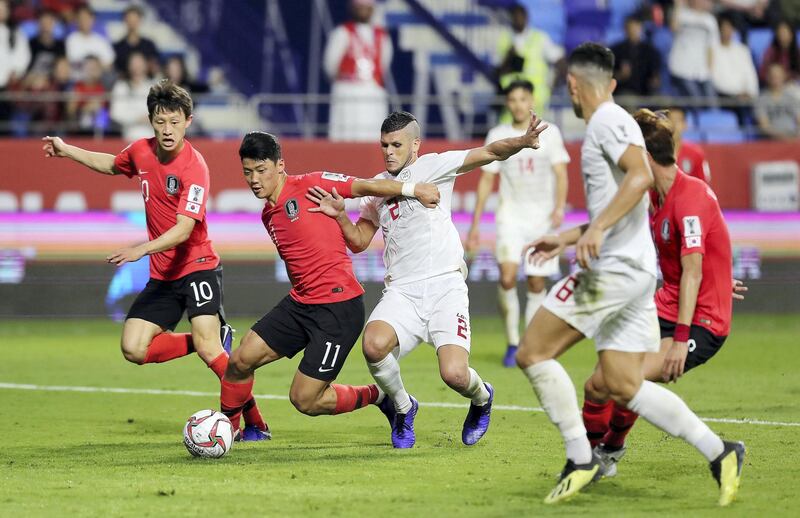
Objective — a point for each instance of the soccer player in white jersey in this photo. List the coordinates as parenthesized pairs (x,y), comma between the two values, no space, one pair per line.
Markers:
(425,299)
(612,298)
(533,192)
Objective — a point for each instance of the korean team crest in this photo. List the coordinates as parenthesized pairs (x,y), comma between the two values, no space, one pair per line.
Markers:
(665,230)
(404,176)
(172,184)
(292,209)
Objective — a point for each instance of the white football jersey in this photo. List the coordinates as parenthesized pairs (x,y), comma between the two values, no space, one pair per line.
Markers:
(609,133)
(419,243)
(527,181)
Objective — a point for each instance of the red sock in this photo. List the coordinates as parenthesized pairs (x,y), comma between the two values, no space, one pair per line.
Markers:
(168,346)
(252,415)
(219,365)
(349,397)
(621,421)
(595,418)
(233,397)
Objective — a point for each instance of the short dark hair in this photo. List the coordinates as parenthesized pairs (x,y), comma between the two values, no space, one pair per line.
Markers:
(518,7)
(633,18)
(590,53)
(397,121)
(657,132)
(725,17)
(135,8)
(518,83)
(166,96)
(260,145)
(87,8)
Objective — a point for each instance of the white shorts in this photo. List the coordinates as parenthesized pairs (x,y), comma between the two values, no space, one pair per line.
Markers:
(512,238)
(434,310)
(615,308)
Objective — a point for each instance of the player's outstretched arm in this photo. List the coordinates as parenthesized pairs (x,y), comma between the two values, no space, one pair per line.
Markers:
(426,193)
(100,162)
(485,187)
(176,235)
(504,148)
(638,178)
(691,277)
(357,235)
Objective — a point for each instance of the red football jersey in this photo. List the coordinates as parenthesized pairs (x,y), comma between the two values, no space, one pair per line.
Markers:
(310,243)
(690,221)
(179,186)
(692,160)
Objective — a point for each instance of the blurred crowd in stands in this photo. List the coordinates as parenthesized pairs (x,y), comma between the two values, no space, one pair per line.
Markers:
(710,60)
(57,47)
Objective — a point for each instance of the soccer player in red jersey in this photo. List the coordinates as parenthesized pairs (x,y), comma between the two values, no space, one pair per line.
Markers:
(694,302)
(324,312)
(185,271)
(691,158)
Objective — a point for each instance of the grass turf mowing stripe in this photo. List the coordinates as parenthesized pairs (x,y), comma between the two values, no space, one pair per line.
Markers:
(160,392)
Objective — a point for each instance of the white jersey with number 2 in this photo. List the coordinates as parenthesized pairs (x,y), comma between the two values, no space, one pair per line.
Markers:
(419,243)
(609,133)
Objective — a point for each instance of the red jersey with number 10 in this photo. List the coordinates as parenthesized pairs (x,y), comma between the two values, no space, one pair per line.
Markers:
(690,221)
(310,243)
(179,186)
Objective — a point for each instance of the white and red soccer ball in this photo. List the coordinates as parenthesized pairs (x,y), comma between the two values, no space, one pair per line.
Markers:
(208,433)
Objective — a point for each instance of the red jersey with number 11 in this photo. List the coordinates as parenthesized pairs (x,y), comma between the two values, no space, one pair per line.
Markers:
(179,186)
(690,221)
(310,243)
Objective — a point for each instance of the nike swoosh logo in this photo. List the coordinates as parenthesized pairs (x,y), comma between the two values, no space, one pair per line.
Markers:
(202,303)
(143,172)
(325,370)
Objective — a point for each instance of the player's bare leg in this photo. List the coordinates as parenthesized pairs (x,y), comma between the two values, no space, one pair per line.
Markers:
(380,339)
(458,375)
(537,291)
(236,395)
(137,337)
(508,302)
(311,396)
(207,343)
(545,339)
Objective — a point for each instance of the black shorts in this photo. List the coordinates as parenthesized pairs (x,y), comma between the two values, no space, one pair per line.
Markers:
(163,302)
(703,344)
(327,332)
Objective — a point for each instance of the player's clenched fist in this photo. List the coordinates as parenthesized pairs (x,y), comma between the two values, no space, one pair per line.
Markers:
(54,146)
(427,194)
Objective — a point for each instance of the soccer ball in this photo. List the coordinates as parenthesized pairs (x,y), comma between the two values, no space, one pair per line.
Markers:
(208,433)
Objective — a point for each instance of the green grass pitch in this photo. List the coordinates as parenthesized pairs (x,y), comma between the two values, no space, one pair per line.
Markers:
(70,453)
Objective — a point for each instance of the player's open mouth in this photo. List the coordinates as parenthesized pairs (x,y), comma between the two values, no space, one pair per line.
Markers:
(167,141)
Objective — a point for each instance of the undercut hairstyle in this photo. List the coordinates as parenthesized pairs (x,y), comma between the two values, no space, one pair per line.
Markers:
(260,145)
(519,83)
(657,131)
(397,121)
(166,96)
(592,61)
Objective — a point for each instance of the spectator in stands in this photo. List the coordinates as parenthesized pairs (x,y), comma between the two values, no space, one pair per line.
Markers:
(129,100)
(15,55)
(777,110)
(733,72)
(65,9)
(749,13)
(85,42)
(695,35)
(135,42)
(89,104)
(45,47)
(357,56)
(690,156)
(528,54)
(175,71)
(783,51)
(637,68)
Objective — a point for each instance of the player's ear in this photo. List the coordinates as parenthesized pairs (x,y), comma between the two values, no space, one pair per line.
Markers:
(415,144)
(612,85)
(189,120)
(280,165)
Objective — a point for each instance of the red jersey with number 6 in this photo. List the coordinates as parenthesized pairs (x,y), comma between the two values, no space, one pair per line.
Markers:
(690,221)
(310,243)
(179,186)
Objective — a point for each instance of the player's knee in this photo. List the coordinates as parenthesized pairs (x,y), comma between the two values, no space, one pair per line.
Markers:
(376,346)
(507,281)
(527,356)
(133,350)
(455,376)
(536,284)
(622,391)
(594,389)
(238,365)
(304,403)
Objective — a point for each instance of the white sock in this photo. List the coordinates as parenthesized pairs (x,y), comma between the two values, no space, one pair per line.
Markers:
(667,411)
(557,395)
(386,374)
(509,310)
(476,390)
(532,303)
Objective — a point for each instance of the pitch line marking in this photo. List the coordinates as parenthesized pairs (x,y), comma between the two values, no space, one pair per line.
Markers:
(194,393)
